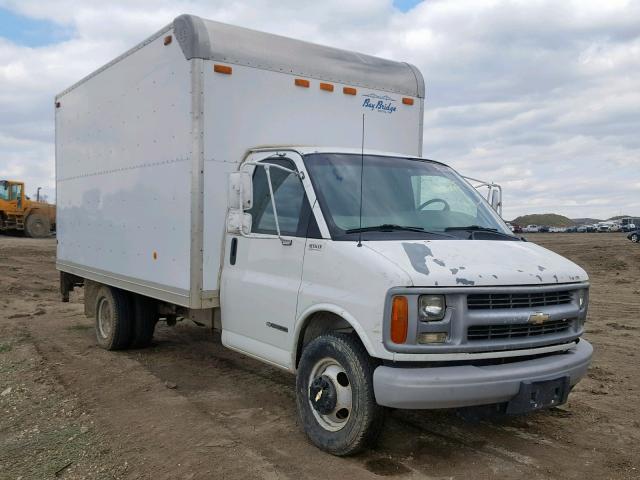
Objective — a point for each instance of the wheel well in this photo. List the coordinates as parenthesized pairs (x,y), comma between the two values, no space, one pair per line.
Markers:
(319,323)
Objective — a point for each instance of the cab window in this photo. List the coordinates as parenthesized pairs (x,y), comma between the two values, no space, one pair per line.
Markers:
(4,191)
(16,191)
(289,198)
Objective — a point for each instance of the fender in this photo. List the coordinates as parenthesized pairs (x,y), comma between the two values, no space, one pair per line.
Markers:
(340,312)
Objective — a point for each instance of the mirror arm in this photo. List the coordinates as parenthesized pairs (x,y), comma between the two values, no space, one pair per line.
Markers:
(284,241)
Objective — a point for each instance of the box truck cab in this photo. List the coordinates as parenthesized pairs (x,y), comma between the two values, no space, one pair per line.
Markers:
(275,190)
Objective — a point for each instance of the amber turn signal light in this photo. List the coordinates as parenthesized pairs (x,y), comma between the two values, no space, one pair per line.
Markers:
(399,319)
(222,69)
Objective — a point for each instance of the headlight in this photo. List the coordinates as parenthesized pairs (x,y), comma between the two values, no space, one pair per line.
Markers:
(431,307)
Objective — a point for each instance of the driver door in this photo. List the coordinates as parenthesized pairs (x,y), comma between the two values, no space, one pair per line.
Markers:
(262,272)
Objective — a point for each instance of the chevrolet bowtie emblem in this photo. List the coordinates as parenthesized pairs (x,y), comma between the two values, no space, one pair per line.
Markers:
(538,318)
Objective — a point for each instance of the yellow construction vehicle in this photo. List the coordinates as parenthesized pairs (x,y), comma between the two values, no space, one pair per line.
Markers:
(18,212)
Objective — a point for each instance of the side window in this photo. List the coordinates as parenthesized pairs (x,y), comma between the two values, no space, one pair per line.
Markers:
(289,198)
(16,191)
(4,191)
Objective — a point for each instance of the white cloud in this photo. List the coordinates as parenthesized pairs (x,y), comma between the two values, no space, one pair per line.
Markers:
(539,95)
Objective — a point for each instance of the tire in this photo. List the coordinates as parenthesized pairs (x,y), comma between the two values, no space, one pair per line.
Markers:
(145,318)
(114,325)
(37,226)
(635,238)
(331,365)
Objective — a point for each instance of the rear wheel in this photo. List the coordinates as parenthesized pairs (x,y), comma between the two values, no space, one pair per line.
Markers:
(37,226)
(635,238)
(144,321)
(113,318)
(334,393)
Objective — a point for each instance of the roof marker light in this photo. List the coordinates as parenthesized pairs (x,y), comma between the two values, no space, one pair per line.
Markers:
(301,82)
(167,39)
(327,87)
(222,69)
(349,91)
(407,101)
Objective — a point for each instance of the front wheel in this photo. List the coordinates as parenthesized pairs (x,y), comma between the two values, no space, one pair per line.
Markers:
(635,238)
(334,394)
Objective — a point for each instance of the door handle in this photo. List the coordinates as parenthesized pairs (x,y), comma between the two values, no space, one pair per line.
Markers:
(234,251)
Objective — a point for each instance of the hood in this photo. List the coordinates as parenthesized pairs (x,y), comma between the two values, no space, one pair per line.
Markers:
(459,263)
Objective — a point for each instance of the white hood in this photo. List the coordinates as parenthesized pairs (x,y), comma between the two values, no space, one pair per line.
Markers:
(458,263)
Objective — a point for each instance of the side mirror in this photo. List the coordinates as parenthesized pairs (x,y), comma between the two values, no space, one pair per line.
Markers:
(240,191)
(239,222)
(495,199)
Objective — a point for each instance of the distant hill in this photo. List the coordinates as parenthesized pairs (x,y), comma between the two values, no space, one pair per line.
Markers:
(618,217)
(550,219)
(585,221)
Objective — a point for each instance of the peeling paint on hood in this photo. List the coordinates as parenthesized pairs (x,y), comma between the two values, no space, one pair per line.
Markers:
(478,262)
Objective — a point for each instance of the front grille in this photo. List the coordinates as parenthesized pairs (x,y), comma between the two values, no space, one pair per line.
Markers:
(492,301)
(516,330)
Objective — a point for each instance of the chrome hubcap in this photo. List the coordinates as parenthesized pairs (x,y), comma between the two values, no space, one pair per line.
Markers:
(330,394)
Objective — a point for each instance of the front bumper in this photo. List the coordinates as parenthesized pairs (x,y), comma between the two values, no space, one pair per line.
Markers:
(468,385)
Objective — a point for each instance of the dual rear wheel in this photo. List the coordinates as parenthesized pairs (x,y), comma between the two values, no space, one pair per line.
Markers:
(123,320)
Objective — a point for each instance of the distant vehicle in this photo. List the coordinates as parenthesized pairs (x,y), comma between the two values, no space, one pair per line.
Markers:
(531,229)
(629,224)
(571,229)
(634,236)
(615,228)
(557,229)
(581,229)
(592,228)
(511,227)
(603,227)
(36,219)
(517,228)
(544,229)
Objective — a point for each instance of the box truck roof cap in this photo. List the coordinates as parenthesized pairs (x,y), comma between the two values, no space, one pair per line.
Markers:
(209,40)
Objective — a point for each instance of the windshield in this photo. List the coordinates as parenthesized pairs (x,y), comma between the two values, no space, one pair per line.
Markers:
(4,191)
(401,198)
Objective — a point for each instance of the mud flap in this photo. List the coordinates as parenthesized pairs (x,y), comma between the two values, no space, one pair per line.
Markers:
(539,395)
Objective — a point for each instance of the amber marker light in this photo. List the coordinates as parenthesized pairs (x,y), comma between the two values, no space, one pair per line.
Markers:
(349,91)
(168,39)
(301,82)
(222,69)
(407,101)
(327,87)
(399,319)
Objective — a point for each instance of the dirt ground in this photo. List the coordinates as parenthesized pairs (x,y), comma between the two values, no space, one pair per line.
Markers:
(189,409)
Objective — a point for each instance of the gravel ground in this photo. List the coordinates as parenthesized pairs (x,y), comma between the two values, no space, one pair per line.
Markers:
(187,408)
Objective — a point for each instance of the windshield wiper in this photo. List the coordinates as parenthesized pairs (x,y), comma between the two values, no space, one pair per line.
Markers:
(389,227)
(478,228)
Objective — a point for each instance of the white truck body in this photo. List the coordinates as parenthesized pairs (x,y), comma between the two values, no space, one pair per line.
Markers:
(133,138)
(152,202)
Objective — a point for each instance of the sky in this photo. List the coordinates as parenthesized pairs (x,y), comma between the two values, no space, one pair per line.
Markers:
(541,96)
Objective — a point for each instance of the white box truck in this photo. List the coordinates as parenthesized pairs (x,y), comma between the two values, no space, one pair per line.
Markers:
(218,174)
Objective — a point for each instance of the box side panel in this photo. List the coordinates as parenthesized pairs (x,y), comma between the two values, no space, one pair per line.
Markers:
(253,107)
(123,143)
